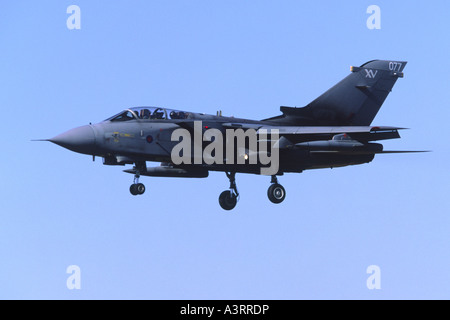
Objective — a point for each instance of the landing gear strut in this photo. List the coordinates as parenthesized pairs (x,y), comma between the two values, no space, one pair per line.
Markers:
(276,192)
(229,198)
(137,188)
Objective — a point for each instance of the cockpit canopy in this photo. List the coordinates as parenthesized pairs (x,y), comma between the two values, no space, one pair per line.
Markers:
(144,113)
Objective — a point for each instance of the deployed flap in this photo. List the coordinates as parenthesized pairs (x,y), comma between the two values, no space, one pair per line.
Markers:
(365,133)
(330,130)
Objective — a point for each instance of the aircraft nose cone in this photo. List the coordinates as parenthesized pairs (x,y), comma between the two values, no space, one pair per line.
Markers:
(81,139)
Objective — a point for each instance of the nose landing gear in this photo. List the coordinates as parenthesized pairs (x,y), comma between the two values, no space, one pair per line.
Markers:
(137,188)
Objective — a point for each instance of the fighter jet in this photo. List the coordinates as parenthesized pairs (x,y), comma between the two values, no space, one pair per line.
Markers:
(332,131)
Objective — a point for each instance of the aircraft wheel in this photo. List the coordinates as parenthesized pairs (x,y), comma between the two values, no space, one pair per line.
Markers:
(276,193)
(227,200)
(140,188)
(137,188)
(133,190)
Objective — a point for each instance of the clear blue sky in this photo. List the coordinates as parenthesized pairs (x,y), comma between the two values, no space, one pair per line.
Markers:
(247,58)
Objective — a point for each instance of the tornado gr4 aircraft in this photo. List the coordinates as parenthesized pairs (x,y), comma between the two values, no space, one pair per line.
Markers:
(332,131)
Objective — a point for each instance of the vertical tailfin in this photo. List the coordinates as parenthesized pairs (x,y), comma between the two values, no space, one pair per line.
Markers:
(354,101)
(357,98)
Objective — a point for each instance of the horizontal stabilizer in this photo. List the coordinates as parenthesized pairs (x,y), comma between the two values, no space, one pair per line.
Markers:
(395,151)
(364,152)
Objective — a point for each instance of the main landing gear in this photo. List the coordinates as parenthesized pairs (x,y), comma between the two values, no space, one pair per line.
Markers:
(229,198)
(137,188)
(276,192)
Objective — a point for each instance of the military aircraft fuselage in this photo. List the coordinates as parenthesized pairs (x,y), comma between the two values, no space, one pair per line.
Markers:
(334,130)
(138,140)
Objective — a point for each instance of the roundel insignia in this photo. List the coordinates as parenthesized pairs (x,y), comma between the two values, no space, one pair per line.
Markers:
(149,139)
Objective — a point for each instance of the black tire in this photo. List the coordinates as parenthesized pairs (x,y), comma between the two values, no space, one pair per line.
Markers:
(140,188)
(276,193)
(227,200)
(133,190)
